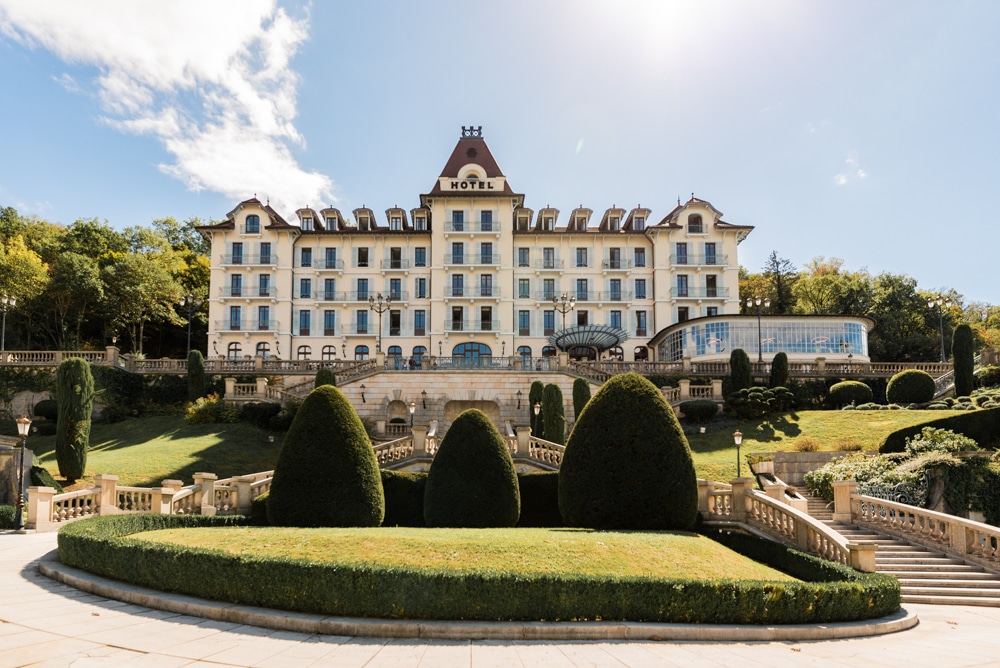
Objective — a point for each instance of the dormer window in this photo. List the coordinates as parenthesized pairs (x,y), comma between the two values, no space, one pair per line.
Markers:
(331,222)
(253,224)
(522,224)
(614,222)
(307,224)
(694,224)
(639,223)
(395,223)
(363,223)
(420,223)
(547,223)
(581,224)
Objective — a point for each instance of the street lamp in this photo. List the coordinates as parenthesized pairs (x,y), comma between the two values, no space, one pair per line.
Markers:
(519,400)
(6,301)
(190,303)
(23,424)
(423,398)
(538,409)
(380,305)
(343,351)
(738,439)
(938,300)
(756,301)
(362,393)
(413,409)
(564,305)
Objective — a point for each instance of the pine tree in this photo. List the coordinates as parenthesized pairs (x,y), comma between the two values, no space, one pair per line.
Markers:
(554,414)
(581,395)
(195,375)
(962,356)
(75,394)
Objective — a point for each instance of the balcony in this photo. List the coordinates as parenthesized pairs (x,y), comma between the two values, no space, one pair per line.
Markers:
(699,293)
(475,292)
(255,291)
(616,265)
(481,259)
(613,296)
(250,229)
(249,259)
(395,265)
(267,325)
(554,264)
(710,260)
(546,295)
(471,226)
(337,265)
(471,326)
(584,295)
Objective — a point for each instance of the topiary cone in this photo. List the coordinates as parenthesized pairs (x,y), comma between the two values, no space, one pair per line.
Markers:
(627,464)
(327,474)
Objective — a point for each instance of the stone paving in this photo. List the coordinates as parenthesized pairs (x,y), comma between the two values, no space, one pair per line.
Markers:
(45,623)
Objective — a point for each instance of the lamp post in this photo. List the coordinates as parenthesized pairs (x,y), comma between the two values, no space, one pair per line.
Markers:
(423,398)
(756,301)
(519,400)
(380,305)
(564,305)
(343,351)
(6,302)
(190,303)
(23,423)
(938,300)
(738,439)
(538,409)
(413,409)
(362,393)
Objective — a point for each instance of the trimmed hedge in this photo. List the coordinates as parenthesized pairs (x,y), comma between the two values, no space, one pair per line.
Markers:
(740,370)
(699,410)
(195,375)
(40,477)
(849,391)
(581,395)
(325,377)
(102,545)
(911,386)
(779,371)
(258,510)
(404,498)
(982,426)
(535,393)
(963,358)
(75,394)
(553,414)
(539,499)
(259,413)
(7,517)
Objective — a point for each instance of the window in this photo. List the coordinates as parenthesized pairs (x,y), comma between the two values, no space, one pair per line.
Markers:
(581,289)
(234,350)
(305,288)
(360,353)
(582,318)
(712,311)
(640,323)
(329,353)
(304,352)
(486,221)
(420,288)
(331,222)
(235,318)
(264,350)
(394,322)
(616,319)
(457,316)
(523,257)
(486,253)
(362,257)
(329,323)
(640,288)
(237,252)
(265,252)
(457,285)
(524,352)
(548,322)
(681,256)
(264,285)
(419,322)
(304,321)
(457,253)
(694,224)
(614,222)
(523,288)
(522,223)
(263,317)
(640,257)
(683,315)
(639,223)
(331,258)
(395,288)
(236,285)
(524,323)
(710,253)
(711,288)
(307,224)
(486,319)
(548,351)
(641,353)
(616,290)
(361,321)
(253,224)
(486,285)
(457,221)
(548,288)
(307,257)
(418,355)
(395,258)
(420,223)
(395,353)
(549,258)
(420,257)
(548,223)
(362,289)
(614,258)
(581,257)
(682,285)
(329,289)
(395,223)
(363,223)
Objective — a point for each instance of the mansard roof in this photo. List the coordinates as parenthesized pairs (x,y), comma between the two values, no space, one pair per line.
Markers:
(472,149)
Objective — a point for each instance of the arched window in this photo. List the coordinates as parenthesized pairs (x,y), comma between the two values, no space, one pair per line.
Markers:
(253,224)
(395,355)
(694,224)
(616,353)
(524,352)
(361,352)
(304,353)
(471,354)
(263,349)
(418,355)
(549,351)
(641,353)
(329,353)
(234,350)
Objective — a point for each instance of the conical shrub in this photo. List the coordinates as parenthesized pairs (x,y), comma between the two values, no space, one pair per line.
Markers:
(627,464)
(472,482)
(325,377)
(75,394)
(581,395)
(195,375)
(327,474)
(553,414)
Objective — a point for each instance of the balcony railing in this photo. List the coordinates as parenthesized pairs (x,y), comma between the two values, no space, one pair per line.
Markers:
(330,264)
(614,296)
(616,264)
(268,325)
(471,325)
(399,264)
(699,293)
(472,258)
(709,260)
(250,229)
(471,226)
(553,263)
(249,258)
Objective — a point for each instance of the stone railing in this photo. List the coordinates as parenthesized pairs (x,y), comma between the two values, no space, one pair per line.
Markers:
(742,505)
(956,536)
(392,452)
(395,429)
(106,357)
(545,452)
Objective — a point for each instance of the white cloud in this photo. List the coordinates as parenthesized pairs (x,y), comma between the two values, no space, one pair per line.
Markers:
(853,172)
(211,80)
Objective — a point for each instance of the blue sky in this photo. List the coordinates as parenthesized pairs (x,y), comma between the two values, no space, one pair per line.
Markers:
(853,129)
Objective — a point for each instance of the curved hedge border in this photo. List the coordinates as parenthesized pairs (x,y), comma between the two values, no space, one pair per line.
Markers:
(101,545)
(982,426)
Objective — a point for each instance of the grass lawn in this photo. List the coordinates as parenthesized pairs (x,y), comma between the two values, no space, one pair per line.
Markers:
(515,551)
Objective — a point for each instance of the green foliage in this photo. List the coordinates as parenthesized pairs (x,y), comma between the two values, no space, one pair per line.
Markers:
(47,409)
(699,410)
(535,397)
(740,371)
(963,354)
(14,380)
(472,481)
(258,510)
(7,517)
(756,402)
(119,387)
(75,393)
(539,499)
(164,390)
(325,377)
(553,414)
(259,413)
(939,440)
(779,371)
(666,379)
(982,426)
(195,375)
(858,466)
(581,395)
(210,410)
(283,419)
(326,474)
(910,386)
(404,498)
(627,464)
(40,477)
(988,376)
(849,392)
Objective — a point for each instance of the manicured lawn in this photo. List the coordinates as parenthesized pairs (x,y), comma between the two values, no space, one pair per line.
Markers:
(523,551)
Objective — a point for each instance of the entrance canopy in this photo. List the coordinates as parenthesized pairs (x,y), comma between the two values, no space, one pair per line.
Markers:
(598,337)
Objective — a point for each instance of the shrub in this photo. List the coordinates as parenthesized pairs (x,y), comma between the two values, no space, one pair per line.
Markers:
(326,474)
(740,371)
(325,377)
(755,402)
(982,426)
(962,354)
(47,409)
(535,397)
(166,390)
(859,467)
(258,510)
(539,499)
(472,481)
(75,393)
(553,414)
(988,376)
(699,410)
(628,465)
(259,413)
(112,413)
(939,440)
(40,477)
(849,392)
(195,375)
(581,395)
(404,498)
(7,516)
(210,410)
(911,386)
(807,444)
(779,371)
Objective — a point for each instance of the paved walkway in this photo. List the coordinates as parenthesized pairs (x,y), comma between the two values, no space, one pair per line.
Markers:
(44,623)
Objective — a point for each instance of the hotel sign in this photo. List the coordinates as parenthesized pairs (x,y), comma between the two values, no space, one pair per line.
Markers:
(467,184)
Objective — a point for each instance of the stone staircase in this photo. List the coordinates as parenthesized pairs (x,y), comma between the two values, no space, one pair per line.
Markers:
(925,575)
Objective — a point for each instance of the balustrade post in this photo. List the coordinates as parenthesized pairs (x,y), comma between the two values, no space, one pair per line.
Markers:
(741,489)
(842,490)
(419,440)
(958,538)
(111,355)
(705,489)
(230,388)
(40,509)
(821,365)
(685,388)
(261,388)
(207,483)
(107,498)
(717,389)
(563,359)
(862,556)
(163,501)
(380,427)
(524,439)
(776,491)
(258,363)
(243,493)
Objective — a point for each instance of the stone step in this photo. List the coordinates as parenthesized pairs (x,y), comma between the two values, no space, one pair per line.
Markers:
(902,562)
(983,601)
(949,591)
(949,576)
(944,570)
(949,585)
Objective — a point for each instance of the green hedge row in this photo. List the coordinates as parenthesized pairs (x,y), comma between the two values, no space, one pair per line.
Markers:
(983,426)
(7,517)
(101,545)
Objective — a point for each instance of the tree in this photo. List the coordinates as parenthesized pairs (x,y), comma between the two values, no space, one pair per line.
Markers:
(22,272)
(195,375)
(779,371)
(963,353)
(325,377)
(184,236)
(553,414)
(326,474)
(740,371)
(472,482)
(75,394)
(74,289)
(907,329)
(628,465)
(781,274)
(138,290)
(581,395)
(535,397)
(93,239)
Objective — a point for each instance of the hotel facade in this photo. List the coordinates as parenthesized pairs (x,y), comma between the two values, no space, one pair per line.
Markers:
(470,274)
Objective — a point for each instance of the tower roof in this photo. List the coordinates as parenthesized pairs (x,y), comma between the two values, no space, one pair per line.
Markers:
(471,149)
